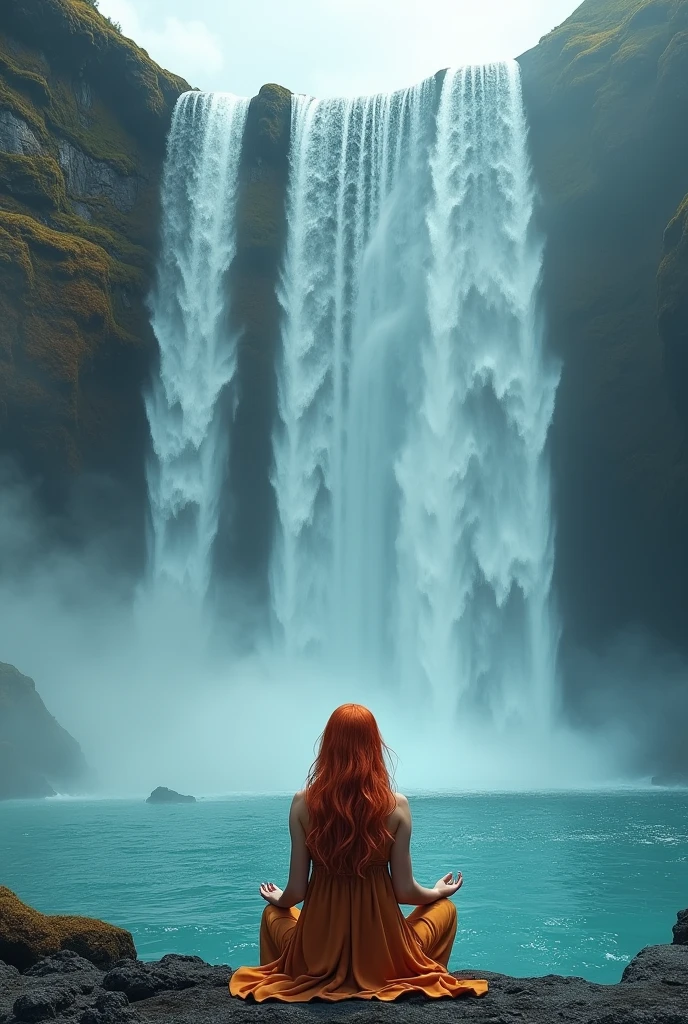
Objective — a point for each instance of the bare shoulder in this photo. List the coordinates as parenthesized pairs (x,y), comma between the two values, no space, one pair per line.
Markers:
(298,804)
(400,813)
(299,808)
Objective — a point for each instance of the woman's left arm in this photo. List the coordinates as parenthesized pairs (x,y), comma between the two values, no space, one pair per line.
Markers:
(299,864)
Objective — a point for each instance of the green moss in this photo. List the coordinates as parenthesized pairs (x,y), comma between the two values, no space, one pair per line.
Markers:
(261,214)
(15,260)
(268,124)
(35,181)
(21,107)
(30,81)
(98,132)
(72,34)
(27,936)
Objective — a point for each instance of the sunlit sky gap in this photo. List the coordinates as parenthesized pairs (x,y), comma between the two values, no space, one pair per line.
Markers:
(330,47)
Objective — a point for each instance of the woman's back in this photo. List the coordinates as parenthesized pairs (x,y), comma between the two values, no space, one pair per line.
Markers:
(351,866)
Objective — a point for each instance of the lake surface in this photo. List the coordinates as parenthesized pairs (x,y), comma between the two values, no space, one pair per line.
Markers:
(565,883)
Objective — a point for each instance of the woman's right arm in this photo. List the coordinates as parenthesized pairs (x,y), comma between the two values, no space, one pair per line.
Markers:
(406,888)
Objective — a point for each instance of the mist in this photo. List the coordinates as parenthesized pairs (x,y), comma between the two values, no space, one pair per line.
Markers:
(159,694)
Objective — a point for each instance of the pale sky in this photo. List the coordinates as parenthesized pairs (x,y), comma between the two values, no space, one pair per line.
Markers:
(330,47)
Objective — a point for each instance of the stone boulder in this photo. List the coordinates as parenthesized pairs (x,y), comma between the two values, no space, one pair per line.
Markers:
(663,965)
(680,929)
(163,795)
(27,937)
(138,980)
(36,753)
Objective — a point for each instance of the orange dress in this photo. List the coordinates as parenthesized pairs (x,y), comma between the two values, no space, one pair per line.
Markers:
(351,941)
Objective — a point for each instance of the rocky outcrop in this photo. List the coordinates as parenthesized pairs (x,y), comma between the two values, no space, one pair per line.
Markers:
(163,795)
(654,990)
(680,929)
(28,937)
(36,753)
(84,115)
(86,178)
(605,92)
(16,136)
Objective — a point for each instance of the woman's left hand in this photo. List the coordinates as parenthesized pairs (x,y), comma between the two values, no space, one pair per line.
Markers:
(270,893)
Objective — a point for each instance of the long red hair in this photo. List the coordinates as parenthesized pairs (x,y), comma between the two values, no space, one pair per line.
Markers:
(349,793)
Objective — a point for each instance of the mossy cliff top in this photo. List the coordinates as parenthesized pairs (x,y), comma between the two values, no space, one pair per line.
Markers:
(621,64)
(78,42)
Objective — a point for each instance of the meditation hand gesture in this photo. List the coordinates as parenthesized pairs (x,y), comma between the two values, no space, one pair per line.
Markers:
(447,886)
(270,892)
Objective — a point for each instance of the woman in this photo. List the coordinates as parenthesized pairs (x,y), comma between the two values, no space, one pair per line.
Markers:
(351,939)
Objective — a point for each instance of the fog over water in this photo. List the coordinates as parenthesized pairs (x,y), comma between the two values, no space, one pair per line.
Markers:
(154,700)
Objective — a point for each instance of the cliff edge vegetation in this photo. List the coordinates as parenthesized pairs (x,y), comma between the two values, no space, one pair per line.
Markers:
(83,120)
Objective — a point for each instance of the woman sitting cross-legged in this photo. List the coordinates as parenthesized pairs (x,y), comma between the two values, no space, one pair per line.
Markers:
(351,939)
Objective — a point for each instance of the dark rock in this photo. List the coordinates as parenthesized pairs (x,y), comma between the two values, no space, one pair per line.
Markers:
(27,937)
(666,965)
(110,1008)
(186,990)
(16,136)
(604,92)
(7,973)
(87,178)
(43,1003)
(35,751)
(110,1000)
(140,980)
(64,961)
(163,795)
(680,929)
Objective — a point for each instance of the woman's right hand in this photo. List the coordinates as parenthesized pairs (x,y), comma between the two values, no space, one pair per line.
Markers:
(448,885)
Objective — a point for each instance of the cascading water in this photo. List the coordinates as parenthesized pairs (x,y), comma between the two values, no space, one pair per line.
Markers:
(190,396)
(410,468)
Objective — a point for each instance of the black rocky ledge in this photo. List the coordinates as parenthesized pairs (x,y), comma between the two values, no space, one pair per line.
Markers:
(186,990)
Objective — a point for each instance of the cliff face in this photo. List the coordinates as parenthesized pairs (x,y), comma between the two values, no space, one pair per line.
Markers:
(36,753)
(607,97)
(83,120)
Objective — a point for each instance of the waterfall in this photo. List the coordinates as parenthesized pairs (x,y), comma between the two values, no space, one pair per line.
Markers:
(191,396)
(414,536)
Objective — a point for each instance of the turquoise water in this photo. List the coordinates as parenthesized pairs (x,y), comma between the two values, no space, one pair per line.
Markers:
(572,884)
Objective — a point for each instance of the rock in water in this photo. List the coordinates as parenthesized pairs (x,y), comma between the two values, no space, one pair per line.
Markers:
(680,929)
(27,936)
(36,753)
(163,795)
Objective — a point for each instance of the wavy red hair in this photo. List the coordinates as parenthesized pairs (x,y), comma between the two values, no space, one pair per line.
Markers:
(349,793)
